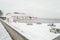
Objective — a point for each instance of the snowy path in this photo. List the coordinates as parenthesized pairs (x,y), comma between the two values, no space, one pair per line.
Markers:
(3,33)
(35,32)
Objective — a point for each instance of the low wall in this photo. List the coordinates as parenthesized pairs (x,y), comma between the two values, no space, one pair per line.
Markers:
(13,33)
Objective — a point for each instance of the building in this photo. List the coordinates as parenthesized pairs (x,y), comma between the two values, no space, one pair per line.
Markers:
(19,17)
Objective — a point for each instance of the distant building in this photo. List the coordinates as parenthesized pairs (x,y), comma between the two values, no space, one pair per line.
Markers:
(18,17)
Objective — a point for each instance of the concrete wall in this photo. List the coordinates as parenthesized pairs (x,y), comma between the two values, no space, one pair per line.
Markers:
(13,33)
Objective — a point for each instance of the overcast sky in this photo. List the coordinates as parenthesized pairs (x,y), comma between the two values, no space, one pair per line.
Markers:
(39,8)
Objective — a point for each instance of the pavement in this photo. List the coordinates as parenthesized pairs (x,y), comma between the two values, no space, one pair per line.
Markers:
(3,33)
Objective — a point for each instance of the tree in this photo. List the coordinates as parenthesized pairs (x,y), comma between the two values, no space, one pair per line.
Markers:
(1,13)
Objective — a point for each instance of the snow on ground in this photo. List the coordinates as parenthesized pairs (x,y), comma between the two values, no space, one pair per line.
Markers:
(35,31)
(3,33)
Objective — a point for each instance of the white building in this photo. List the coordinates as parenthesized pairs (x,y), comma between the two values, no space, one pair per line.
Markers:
(18,17)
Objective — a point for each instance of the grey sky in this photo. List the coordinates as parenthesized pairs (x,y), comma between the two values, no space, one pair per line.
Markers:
(39,8)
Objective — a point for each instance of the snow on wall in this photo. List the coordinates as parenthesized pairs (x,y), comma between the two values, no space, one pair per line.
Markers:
(35,32)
